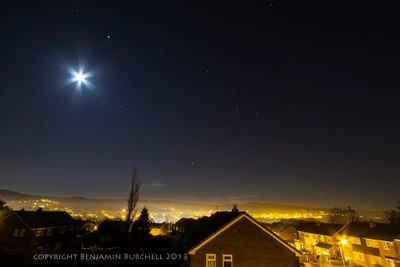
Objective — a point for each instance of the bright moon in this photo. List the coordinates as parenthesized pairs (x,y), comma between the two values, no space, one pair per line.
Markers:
(80,77)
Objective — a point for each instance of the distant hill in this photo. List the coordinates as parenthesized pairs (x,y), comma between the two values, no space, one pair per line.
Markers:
(162,206)
(8,195)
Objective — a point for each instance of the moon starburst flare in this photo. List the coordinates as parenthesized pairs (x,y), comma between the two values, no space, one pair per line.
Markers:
(80,78)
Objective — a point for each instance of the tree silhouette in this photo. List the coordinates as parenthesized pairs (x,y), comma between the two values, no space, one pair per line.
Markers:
(393,215)
(235,209)
(134,193)
(341,215)
(143,223)
(141,230)
(2,204)
(4,210)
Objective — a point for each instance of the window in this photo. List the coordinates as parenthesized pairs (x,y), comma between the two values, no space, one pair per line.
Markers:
(39,232)
(62,230)
(374,259)
(211,260)
(387,245)
(16,232)
(390,263)
(358,256)
(22,232)
(355,240)
(227,260)
(49,232)
(372,243)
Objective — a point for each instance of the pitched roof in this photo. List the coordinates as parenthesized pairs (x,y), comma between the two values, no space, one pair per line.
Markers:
(328,229)
(277,227)
(230,219)
(379,231)
(43,219)
(184,221)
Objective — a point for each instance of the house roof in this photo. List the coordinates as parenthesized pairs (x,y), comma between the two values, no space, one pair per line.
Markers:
(44,219)
(277,227)
(200,229)
(379,231)
(328,229)
(184,221)
(230,218)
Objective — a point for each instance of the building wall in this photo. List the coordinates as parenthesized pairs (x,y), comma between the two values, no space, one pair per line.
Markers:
(249,245)
(365,252)
(389,250)
(309,240)
(10,238)
(15,234)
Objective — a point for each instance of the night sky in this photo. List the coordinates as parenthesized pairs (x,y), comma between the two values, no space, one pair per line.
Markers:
(279,101)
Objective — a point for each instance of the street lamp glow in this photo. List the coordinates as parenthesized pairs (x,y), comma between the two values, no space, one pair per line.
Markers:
(343,241)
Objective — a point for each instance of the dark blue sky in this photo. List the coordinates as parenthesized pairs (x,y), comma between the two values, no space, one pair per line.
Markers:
(279,101)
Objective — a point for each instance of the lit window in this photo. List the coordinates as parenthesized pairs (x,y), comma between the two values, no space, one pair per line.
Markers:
(372,243)
(375,259)
(22,232)
(358,256)
(16,232)
(211,260)
(39,232)
(355,240)
(387,245)
(390,263)
(227,260)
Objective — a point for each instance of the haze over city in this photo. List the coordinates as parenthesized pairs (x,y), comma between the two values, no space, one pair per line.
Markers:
(267,101)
